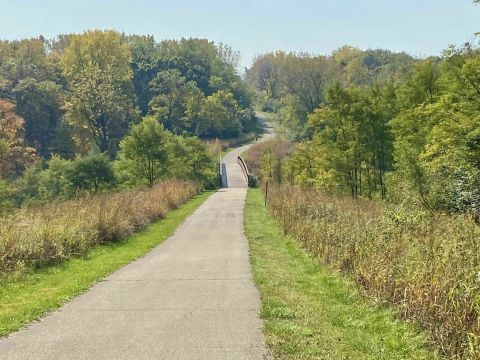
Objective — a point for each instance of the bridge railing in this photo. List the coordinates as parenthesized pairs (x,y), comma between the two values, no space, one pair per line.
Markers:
(244,167)
(223,174)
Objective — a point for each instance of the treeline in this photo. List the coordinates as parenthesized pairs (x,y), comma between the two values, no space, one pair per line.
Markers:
(380,124)
(85,112)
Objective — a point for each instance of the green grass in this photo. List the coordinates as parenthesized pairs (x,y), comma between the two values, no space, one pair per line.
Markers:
(311,312)
(31,296)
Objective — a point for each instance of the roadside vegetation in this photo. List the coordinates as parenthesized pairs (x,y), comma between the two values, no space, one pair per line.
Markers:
(309,310)
(29,296)
(425,266)
(36,237)
(382,180)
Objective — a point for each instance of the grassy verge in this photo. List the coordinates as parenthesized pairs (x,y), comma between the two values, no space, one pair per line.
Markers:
(310,312)
(32,296)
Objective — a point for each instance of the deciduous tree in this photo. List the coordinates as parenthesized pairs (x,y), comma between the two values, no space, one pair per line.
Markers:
(97,66)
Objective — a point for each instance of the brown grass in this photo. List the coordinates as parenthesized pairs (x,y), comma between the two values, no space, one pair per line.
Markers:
(427,266)
(48,234)
(277,147)
(216,146)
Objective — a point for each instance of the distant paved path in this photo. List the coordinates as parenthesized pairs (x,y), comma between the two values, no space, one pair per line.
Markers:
(192,297)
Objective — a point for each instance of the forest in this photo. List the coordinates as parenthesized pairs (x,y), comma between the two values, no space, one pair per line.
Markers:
(98,111)
(377,173)
(377,124)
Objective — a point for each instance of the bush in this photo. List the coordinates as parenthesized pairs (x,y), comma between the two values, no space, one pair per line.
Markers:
(252,180)
(48,234)
(426,265)
(92,173)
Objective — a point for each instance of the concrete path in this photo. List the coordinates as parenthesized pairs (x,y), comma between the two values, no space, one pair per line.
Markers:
(192,297)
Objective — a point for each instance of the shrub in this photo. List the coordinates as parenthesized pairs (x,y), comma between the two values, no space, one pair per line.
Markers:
(252,180)
(92,173)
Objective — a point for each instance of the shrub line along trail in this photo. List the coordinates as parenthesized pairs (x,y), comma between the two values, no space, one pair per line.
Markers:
(192,297)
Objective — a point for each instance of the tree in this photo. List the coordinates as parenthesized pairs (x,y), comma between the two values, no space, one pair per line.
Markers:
(14,155)
(352,146)
(97,66)
(172,93)
(194,59)
(92,173)
(437,155)
(63,143)
(146,62)
(198,164)
(264,73)
(23,59)
(220,116)
(307,77)
(56,181)
(422,86)
(40,105)
(145,153)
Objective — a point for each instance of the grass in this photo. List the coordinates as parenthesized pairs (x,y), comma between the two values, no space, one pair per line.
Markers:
(35,237)
(28,298)
(424,265)
(311,312)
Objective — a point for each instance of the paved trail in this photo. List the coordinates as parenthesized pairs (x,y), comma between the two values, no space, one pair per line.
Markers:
(192,297)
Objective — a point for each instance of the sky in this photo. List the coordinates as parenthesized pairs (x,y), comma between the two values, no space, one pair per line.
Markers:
(418,27)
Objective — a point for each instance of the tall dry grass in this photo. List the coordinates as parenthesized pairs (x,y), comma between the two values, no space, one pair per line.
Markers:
(427,266)
(48,234)
(216,146)
(277,147)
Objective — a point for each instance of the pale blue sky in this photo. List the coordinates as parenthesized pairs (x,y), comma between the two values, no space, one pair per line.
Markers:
(419,27)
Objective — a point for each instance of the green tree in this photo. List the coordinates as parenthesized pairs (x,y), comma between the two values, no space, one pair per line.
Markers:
(39,104)
(172,93)
(145,153)
(146,62)
(57,180)
(97,66)
(198,164)
(24,59)
(62,142)
(422,86)
(93,172)
(352,143)
(220,116)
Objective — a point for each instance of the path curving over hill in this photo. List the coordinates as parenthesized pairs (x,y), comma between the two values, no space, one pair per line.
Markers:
(235,176)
